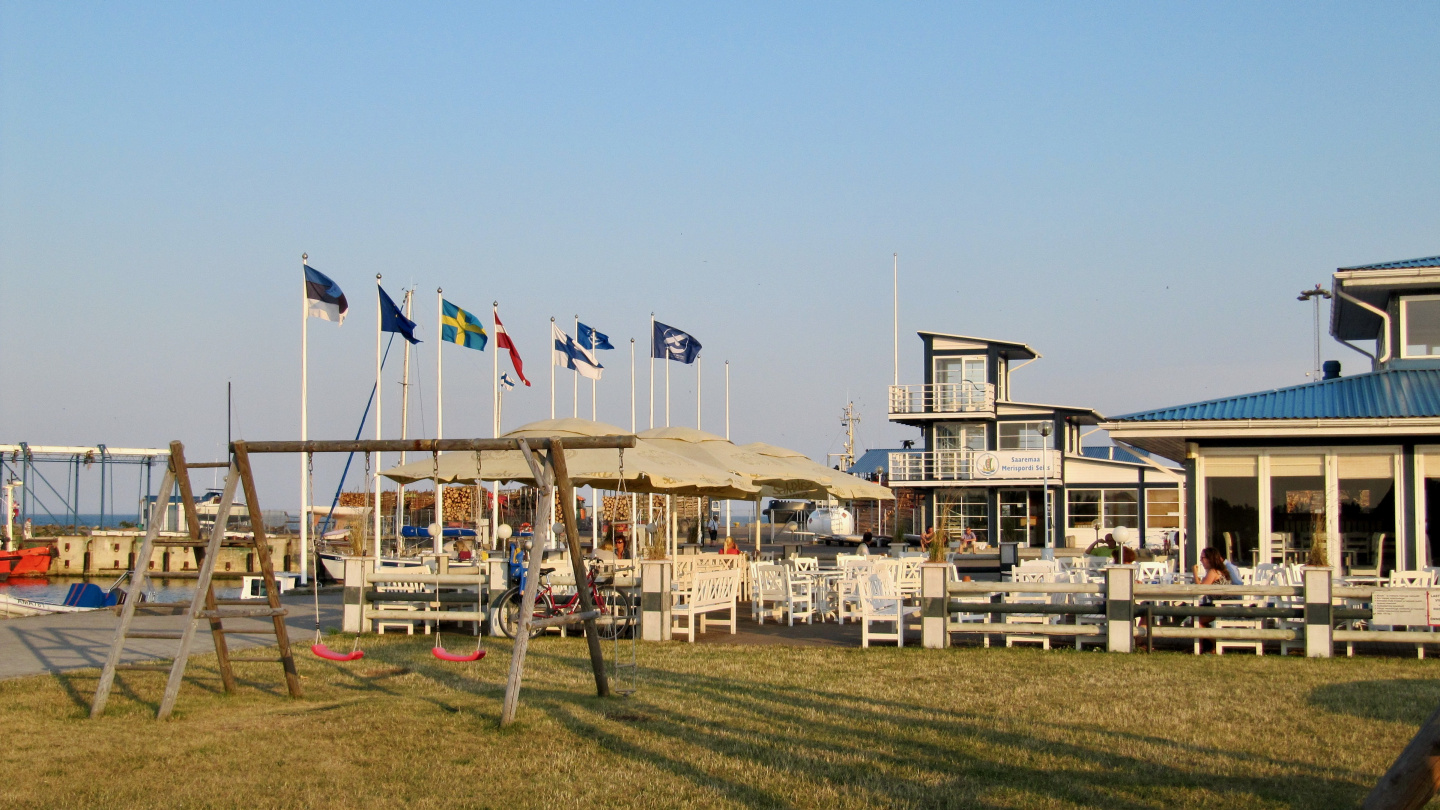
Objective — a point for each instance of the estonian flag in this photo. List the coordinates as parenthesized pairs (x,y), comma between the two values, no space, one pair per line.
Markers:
(393,320)
(324,297)
(669,343)
(459,326)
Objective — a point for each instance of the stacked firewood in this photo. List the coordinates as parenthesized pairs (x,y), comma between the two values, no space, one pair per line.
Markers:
(617,507)
(459,501)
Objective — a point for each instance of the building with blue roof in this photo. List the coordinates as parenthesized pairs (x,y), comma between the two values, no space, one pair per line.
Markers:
(1346,467)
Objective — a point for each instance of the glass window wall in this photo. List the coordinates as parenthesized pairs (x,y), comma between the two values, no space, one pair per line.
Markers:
(1297,507)
(1024,436)
(1420,317)
(1232,505)
(962,508)
(1367,511)
(1162,508)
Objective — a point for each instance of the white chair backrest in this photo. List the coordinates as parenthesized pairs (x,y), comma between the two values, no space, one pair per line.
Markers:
(1412,579)
(1035,576)
(878,590)
(804,563)
(909,555)
(769,581)
(841,559)
(1152,571)
(1039,565)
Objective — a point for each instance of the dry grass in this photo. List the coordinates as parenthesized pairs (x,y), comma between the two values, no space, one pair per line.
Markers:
(720,726)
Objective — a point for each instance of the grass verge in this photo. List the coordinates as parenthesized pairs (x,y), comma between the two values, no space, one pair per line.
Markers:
(727,726)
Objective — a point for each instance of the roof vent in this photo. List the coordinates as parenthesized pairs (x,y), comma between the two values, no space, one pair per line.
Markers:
(1331,370)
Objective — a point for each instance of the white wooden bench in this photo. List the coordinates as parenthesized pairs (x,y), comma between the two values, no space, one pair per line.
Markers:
(709,592)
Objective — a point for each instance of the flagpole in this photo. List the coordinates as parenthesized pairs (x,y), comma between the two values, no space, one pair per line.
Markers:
(305,458)
(575,390)
(633,516)
(404,420)
(438,541)
(594,383)
(552,369)
(667,389)
(727,437)
(652,370)
(495,403)
(379,392)
(895,304)
(698,378)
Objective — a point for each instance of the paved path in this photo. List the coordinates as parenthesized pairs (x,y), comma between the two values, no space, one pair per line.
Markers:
(34,645)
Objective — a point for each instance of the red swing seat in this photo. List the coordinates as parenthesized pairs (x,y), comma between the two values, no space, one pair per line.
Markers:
(443,655)
(321,651)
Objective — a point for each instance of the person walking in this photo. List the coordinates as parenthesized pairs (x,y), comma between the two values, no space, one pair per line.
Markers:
(714,528)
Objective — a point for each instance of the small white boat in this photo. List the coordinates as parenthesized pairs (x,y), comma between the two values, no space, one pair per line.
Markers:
(15,606)
(333,564)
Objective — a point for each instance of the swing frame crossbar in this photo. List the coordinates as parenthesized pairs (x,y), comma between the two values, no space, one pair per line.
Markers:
(551,473)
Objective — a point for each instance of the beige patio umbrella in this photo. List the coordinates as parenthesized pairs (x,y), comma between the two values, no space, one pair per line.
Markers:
(840,485)
(777,476)
(647,467)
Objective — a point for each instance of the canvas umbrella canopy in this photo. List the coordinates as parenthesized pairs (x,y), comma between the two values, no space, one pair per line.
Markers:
(648,468)
(776,475)
(841,485)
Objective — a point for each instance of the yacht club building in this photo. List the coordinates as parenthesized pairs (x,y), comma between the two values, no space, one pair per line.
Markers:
(989,460)
(1348,463)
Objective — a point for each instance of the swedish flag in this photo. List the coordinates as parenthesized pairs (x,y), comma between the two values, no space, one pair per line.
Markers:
(459,326)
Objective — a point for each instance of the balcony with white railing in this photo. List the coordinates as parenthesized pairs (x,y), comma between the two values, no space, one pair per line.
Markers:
(932,465)
(942,398)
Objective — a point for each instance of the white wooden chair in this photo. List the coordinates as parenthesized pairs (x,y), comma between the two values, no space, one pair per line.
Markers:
(767,590)
(880,602)
(847,590)
(907,577)
(799,597)
(804,565)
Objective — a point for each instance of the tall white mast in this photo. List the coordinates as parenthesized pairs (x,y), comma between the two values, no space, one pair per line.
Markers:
(379,395)
(305,505)
(896,307)
(727,437)
(404,419)
(438,541)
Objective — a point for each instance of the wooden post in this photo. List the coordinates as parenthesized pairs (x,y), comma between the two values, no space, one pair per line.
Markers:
(1120,608)
(192,525)
(544,476)
(353,616)
(934,614)
(1414,776)
(267,567)
(1319,624)
(577,564)
(655,599)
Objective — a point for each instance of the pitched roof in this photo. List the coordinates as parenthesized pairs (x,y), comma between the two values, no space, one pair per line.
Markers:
(1388,394)
(1433,261)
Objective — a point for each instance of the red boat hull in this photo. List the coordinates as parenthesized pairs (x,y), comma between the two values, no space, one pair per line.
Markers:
(29,562)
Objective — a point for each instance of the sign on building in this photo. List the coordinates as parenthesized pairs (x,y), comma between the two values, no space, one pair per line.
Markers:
(1016,464)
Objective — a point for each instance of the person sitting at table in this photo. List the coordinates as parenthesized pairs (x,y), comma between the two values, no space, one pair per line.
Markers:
(462,550)
(730,547)
(864,548)
(1214,569)
(968,541)
(1123,554)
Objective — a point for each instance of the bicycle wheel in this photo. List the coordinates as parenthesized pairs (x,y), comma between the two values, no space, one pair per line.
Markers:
(617,616)
(509,613)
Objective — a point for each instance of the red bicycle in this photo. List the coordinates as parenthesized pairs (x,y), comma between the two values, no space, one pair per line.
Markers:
(615,606)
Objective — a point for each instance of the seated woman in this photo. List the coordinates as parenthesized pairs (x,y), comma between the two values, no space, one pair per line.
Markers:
(1214,569)
(730,547)
(1123,554)
(462,550)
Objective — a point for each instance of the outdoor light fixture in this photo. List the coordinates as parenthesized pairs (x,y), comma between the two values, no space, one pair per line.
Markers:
(1046,429)
(504,532)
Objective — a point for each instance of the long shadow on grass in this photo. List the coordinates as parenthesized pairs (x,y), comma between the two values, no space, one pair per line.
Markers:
(839,738)
(1402,700)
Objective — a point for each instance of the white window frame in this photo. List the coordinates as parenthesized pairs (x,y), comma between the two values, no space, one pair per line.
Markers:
(1404,324)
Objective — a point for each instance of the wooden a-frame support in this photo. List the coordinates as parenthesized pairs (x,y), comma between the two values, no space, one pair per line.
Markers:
(203,604)
(551,473)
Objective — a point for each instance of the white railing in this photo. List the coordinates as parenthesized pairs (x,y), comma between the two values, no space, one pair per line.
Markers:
(932,465)
(961,397)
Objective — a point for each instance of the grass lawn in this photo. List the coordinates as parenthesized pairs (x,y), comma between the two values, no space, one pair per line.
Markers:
(723,726)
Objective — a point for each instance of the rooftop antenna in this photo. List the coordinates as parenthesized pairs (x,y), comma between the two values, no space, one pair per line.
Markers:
(896,312)
(848,420)
(1315,295)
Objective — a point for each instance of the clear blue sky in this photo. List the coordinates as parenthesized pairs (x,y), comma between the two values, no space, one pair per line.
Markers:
(1138,191)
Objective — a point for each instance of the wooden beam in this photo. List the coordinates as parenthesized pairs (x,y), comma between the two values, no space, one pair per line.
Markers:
(544,475)
(1414,776)
(438,445)
(267,568)
(577,564)
(192,527)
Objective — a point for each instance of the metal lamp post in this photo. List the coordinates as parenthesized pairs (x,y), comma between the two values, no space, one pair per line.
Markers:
(1315,295)
(1045,430)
